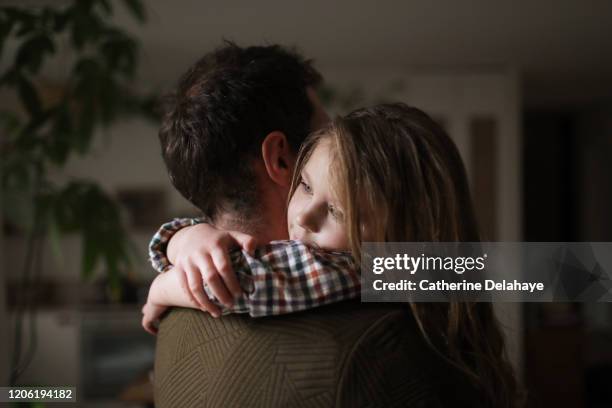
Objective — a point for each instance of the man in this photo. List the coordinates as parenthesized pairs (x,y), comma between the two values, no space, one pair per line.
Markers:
(229,140)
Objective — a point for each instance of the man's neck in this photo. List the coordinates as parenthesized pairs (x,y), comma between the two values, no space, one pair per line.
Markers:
(261,230)
(232,222)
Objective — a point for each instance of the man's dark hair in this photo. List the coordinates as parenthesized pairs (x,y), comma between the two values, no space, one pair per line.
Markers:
(221,111)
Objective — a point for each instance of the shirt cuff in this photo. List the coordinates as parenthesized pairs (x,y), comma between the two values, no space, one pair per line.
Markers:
(159,242)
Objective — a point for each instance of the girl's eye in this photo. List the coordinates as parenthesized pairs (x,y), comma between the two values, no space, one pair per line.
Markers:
(305,186)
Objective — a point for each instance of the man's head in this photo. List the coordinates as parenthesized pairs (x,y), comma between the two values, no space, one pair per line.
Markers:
(234,112)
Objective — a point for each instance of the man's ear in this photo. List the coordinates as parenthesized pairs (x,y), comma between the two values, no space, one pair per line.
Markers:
(278,158)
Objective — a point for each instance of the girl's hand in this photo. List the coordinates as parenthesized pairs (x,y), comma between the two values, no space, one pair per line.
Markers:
(151,314)
(167,289)
(201,254)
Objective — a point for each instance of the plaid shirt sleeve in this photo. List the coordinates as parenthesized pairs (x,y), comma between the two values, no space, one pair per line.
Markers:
(159,242)
(288,276)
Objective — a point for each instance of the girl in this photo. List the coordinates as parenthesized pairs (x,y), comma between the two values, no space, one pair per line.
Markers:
(386,173)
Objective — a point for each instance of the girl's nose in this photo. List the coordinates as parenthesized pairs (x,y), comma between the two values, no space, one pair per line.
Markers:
(311,217)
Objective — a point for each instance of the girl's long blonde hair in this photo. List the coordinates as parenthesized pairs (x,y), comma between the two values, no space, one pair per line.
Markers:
(399,177)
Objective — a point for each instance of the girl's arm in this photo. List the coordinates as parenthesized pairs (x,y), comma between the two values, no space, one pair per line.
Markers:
(278,278)
(281,277)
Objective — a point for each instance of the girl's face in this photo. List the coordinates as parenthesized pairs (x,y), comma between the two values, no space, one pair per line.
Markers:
(313,215)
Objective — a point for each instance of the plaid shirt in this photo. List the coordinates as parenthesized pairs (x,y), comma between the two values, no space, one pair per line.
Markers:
(281,277)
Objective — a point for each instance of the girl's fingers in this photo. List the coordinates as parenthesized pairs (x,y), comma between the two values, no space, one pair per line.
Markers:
(246,241)
(195,288)
(213,280)
(195,285)
(181,275)
(152,329)
(148,325)
(211,308)
(222,263)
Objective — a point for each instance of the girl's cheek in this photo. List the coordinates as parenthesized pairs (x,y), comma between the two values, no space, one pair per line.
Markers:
(292,203)
(338,239)
(293,209)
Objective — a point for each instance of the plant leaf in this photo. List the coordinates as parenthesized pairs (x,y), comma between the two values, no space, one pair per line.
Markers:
(91,255)
(32,52)
(55,242)
(137,9)
(29,96)
(6,25)
(106,6)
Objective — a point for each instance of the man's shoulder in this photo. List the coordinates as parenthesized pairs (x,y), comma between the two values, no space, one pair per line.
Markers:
(341,323)
(336,317)
(335,330)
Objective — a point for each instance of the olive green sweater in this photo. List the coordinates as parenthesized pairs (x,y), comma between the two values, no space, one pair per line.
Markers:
(344,355)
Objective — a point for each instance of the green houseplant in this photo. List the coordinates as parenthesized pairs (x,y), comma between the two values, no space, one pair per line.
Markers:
(40,134)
